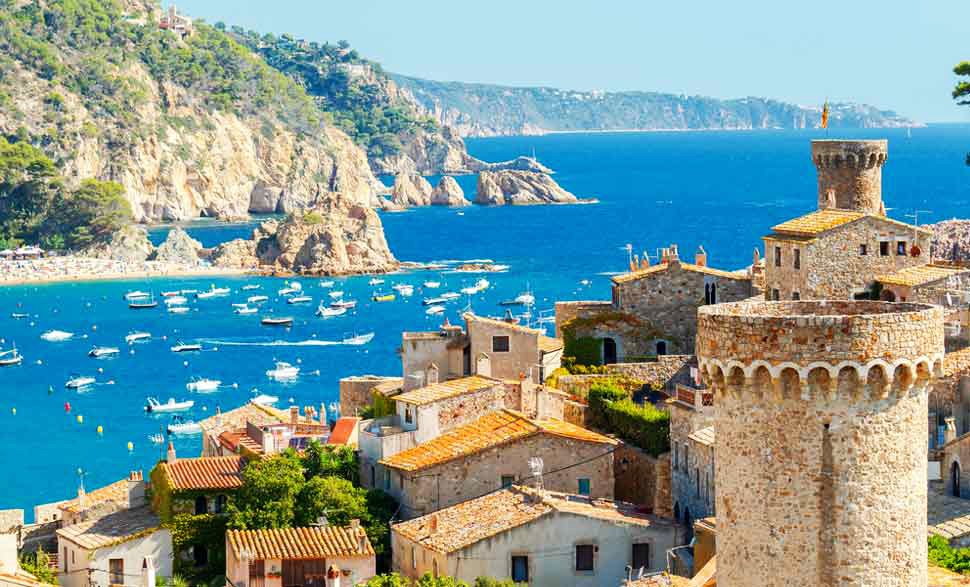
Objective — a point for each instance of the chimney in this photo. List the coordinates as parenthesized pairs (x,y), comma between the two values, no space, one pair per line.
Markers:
(431,374)
(136,489)
(170,457)
(663,255)
(147,571)
(354,524)
(81,497)
(294,415)
(950,432)
(756,257)
(322,521)
(672,254)
(333,576)
(645,261)
(700,257)
(433,524)
(323,414)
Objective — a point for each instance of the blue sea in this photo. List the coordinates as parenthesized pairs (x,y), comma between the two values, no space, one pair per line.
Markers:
(722,190)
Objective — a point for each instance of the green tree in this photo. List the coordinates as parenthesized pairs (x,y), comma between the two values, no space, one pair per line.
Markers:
(92,213)
(38,564)
(333,497)
(323,460)
(267,498)
(388,580)
(428,580)
(490,582)
(961,93)
(28,184)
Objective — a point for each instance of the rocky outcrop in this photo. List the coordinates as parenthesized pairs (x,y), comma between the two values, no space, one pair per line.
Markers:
(448,193)
(496,188)
(427,153)
(951,240)
(411,190)
(179,249)
(129,245)
(521,163)
(336,237)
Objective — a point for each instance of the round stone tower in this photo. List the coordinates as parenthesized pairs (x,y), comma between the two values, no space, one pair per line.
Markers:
(850,174)
(820,458)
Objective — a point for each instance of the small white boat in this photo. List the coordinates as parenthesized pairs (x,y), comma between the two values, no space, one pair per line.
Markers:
(282,321)
(256,299)
(432,310)
(99,352)
(57,336)
(79,382)
(212,292)
(359,339)
(432,284)
(10,358)
(290,288)
(156,438)
(239,305)
(245,310)
(375,281)
(450,296)
(143,304)
(179,426)
(136,295)
(169,294)
(136,336)
(264,400)
(202,385)
(328,283)
(526,299)
(176,301)
(325,312)
(181,347)
(336,294)
(283,371)
(19,315)
(403,288)
(346,304)
(299,300)
(188,292)
(250,287)
(154,406)
(178,309)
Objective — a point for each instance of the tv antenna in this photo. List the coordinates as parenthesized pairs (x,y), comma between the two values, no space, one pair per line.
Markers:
(535,467)
(915,215)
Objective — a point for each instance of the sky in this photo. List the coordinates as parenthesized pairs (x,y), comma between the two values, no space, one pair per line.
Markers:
(894,54)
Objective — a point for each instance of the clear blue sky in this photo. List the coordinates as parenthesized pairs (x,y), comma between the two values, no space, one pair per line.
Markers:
(896,54)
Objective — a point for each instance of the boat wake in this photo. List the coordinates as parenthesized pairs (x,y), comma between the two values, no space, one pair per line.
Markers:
(350,341)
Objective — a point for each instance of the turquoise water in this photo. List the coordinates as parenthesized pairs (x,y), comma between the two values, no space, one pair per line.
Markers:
(722,190)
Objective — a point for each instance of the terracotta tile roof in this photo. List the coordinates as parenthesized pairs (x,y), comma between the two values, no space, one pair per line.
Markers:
(470,317)
(205,473)
(343,430)
(704,436)
(548,344)
(390,387)
(117,492)
(921,275)
(300,543)
(489,431)
(20,579)
(236,439)
(237,418)
(112,529)
(707,576)
(817,222)
(464,524)
(661,267)
(446,389)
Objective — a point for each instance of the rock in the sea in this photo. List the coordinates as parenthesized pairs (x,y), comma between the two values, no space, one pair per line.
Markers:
(411,190)
(520,163)
(130,245)
(339,236)
(951,240)
(179,248)
(496,188)
(448,193)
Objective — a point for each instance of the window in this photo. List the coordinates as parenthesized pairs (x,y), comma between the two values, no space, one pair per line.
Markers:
(584,486)
(508,480)
(414,559)
(775,295)
(408,418)
(400,482)
(201,505)
(901,249)
(641,556)
(434,568)
(661,347)
(798,259)
(777,256)
(884,248)
(710,293)
(500,344)
(697,482)
(66,568)
(520,569)
(584,557)
(387,479)
(796,296)
(116,571)
(863,250)
(221,502)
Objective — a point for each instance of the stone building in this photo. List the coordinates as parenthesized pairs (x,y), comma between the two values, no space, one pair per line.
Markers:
(820,411)
(653,310)
(253,441)
(494,451)
(511,351)
(213,427)
(936,283)
(692,454)
(357,391)
(544,539)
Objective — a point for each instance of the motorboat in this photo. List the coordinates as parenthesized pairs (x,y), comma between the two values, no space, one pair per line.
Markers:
(299,300)
(19,315)
(178,309)
(188,292)
(480,285)
(450,295)
(404,289)
(170,294)
(79,382)
(156,438)
(179,426)
(182,347)
(431,284)
(283,371)
(434,301)
(99,352)
(526,299)
(337,293)
(281,321)
(154,406)
(250,287)
(10,358)
(239,305)
(245,310)
(358,339)
(375,281)
(212,292)
(57,336)
(143,304)
(290,288)
(256,299)
(176,301)
(325,312)
(432,310)
(136,295)
(328,283)
(346,304)
(379,297)
(264,400)
(202,385)
(136,336)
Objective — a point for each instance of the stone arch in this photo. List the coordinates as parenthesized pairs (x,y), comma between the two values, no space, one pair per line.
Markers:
(717,378)
(938,367)
(924,371)
(735,380)
(903,378)
(819,382)
(790,383)
(873,159)
(887,295)
(877,380)
(761,382)
(849,380)
(777,369)
(677,511)
(851,160)
(954,484)
(837,161)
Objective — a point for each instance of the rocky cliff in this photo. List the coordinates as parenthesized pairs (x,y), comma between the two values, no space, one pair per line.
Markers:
(448,193)
(488,110)
(410,190)
(496,188)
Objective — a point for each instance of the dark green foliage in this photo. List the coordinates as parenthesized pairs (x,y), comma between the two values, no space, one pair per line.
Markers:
(208,530)
(612,410)
(267,498)
(38,565)
(322,460)
(943,555)
(92,213)
(961,92)
(583,350)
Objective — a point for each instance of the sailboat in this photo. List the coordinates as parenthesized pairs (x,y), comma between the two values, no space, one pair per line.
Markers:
(10,358)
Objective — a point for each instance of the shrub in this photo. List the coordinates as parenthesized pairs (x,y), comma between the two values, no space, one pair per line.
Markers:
(943,555)
(611,409)
(313,218)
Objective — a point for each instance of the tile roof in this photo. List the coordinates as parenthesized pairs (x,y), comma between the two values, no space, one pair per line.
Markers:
(236,439)
(390,387)
(343,430)
(116,492)
(112,529)
(21,579)
(446,389)
(704,436)
(464,524)
(470,317)
(817,222)
(489,431)
(205,473)
(300,543)
(920,275)
(237,418)
(548,344)
(661,267)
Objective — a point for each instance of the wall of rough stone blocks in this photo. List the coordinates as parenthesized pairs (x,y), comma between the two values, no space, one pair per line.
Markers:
(690,460)
(355,392)
(566,311)
(521,359)
(852,170)
(642,479)
(463,409)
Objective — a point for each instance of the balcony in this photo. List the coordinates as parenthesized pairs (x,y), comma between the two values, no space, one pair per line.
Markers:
(697,398)
(384,437)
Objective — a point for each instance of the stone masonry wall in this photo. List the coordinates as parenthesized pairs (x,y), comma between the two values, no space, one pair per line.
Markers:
(852,170)
(642,479)
(462,409)
(820,414)
(690,461)
(355,392)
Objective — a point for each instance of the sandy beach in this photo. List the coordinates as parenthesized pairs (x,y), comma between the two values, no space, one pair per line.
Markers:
(74,268)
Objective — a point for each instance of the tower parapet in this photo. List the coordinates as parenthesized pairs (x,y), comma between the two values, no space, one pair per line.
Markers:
(820,464)
(850,174)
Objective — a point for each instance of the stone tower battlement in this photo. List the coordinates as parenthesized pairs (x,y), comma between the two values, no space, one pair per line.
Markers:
(820,460)
(850,174)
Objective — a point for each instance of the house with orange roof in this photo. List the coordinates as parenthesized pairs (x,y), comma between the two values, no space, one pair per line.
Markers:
(327,556)
(543,538)
(122,494)
(234,421)
(255,439)
(493,452)
(346,432)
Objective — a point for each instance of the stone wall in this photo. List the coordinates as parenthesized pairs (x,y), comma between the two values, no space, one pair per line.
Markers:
(642,479)
(574,413)
(852,172)
(355,392)
(519,361)
(692,464)
(566,311)
(463,409)
(811,398)
(954,467)
(664,373)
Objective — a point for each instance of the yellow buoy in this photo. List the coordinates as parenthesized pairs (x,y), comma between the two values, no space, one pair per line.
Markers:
(80,419)
(131,446)
(100,430)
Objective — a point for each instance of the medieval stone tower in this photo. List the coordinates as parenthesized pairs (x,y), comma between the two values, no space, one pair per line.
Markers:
(820,458)
(850,174)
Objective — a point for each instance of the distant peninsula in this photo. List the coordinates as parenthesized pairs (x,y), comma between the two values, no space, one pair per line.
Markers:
(478,110)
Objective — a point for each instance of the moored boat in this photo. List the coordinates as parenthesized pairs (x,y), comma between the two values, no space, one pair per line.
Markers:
(136,295)
(154,406)
(450,295)
(256,299)
(273,321)
(79,382)
(57,336)
(325,312)
(336,293)
(328,283)
(431,284)
(250,287)
(135,336)
(10,358)
(434,301)
(202,384)
(143,304)
(180,426)
(98,352)
(379,297)
(358,339)
(182,347)
(264,400)
(432,310)
(283,370)
(299,300)
(176,301)
(375,281)
(245,310)
(347,304)
(178,309)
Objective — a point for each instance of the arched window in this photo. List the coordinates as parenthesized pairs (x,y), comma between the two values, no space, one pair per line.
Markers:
(688,524)
(955,479)
(677,511)
(609,351)
(661,347)
(201,505)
